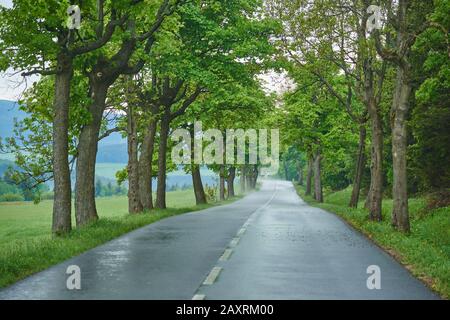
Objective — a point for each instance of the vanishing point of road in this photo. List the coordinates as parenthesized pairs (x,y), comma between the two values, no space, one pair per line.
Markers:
(268,245)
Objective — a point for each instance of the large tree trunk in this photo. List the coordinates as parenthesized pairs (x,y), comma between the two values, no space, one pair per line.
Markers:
(85,208)
(400,214)
(222,183)
(242,179)
(255,175)
(134,201)
(248,178)
(309,177)
(62,204)
(248,182)
(318,195)
(230,181)
(300,174)
(361,162)
(145,166)
(162,157)
(375,196)
(199,191)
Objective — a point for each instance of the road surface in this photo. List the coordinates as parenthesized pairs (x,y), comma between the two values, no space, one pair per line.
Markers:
(269,245)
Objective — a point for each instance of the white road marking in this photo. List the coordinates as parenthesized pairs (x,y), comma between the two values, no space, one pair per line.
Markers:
(211,278)
(234,242)
(241,232)
(226,255)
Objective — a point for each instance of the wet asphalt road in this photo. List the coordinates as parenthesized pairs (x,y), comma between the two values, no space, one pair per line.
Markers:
(269,245)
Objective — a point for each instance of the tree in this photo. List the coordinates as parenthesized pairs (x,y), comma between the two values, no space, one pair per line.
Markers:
(430,116)
(137,38)
(217,43)
(409,19)
(322,37)
(28,34)
(312,121)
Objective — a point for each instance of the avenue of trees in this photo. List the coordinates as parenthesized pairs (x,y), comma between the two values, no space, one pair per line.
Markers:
(141,68)
(371,106)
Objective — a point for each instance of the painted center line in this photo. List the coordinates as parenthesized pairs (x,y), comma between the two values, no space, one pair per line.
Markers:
(241,232)
(226,255)
(234,242)
(211,278)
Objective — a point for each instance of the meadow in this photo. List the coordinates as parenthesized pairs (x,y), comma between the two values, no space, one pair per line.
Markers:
(27,246)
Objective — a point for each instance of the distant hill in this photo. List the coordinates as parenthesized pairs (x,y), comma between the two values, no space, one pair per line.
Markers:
(112,149)
(112,153)
(4,165)
(9,110)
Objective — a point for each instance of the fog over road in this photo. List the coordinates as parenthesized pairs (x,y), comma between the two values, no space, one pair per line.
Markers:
(269,245)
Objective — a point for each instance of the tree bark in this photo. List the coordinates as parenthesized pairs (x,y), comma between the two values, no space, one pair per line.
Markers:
(409,23)
(375,196)
(85,208)
(248,182)
(242,179)
(318,195)
(222,183)
(309,177)
(248,178)
(62,204)
(134,201)
(400,214)
(230,181)
(255,176)
(199,191)
(300,174)
(162,158)
(361,162)
(145,166)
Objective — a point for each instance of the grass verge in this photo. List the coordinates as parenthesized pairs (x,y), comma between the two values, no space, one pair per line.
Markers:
(24,254)
(425,252)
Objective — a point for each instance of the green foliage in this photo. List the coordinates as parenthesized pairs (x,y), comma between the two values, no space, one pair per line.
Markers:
(291,160)
(31,143)
(108,189)
(430,154)
(8,188)
(211,193)
(11,197)
(312,120)
(19,191)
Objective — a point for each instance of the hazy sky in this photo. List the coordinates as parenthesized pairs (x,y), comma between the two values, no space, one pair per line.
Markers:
(10,87)
(6,3)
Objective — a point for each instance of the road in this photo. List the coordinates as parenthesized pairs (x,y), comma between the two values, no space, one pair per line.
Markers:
(268,245)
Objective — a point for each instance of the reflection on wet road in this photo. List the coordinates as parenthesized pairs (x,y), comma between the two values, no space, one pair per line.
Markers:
(269,245)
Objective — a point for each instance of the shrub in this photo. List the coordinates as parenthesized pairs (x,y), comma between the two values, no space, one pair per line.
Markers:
(211,193)
(11,197)
(47,195)
(438,199)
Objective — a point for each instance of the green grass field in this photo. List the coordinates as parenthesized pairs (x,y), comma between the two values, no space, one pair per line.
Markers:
(425,251)
(26,220)
(26,244)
